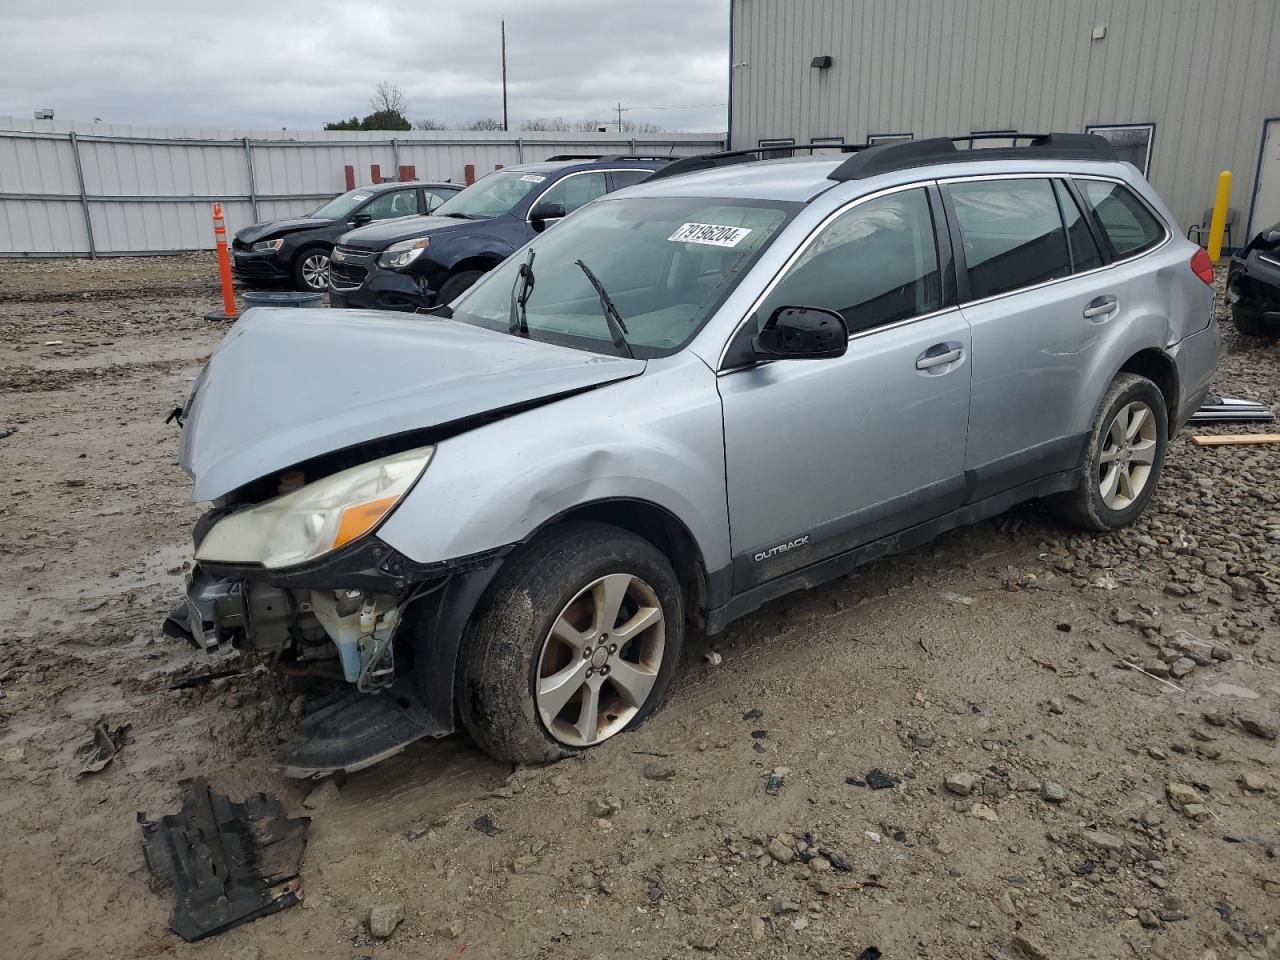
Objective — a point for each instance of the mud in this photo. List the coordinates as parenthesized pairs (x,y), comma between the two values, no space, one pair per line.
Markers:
(996,652)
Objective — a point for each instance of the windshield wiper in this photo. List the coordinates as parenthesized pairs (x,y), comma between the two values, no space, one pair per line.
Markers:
(521,290)
(617,329)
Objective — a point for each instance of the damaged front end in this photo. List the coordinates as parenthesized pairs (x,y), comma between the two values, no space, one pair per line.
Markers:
(301,581)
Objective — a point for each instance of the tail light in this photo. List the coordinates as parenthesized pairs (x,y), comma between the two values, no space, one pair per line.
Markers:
(1202,266)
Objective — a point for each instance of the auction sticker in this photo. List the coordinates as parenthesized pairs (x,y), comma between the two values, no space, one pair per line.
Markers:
(532,178)
(709,233)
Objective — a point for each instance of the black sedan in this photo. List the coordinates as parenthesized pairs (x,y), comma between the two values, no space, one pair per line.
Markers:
(1253,285)
(296,252)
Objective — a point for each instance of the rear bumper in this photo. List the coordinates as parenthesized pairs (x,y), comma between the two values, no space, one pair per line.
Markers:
(1253,283)
(1196,358)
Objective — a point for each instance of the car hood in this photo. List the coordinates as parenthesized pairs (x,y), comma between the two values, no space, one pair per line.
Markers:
(379,236)
(278,228)
(288,385)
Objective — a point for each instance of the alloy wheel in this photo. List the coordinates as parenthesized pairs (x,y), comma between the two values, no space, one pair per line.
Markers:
(1128,454)
(315,271)
(600,660)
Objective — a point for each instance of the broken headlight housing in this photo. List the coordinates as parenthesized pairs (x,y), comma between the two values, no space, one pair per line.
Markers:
(400,255)
(319,517)
(266,246)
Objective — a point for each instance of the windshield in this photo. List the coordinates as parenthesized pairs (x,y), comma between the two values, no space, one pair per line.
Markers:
(339,208)
(666,264)
(490,196)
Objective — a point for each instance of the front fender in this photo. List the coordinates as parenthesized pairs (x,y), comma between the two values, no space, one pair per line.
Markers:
(656,438)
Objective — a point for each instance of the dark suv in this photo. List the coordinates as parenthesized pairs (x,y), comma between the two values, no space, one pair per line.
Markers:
(297,251)
(412,264)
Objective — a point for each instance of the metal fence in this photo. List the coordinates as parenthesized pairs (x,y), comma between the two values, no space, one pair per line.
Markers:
(109,190)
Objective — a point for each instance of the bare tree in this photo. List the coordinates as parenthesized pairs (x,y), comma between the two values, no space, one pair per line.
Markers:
(485,123)
(560,124)
(426,123)
(388,98)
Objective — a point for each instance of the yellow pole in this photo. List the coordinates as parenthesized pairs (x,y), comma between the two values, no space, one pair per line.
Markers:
(1218,225)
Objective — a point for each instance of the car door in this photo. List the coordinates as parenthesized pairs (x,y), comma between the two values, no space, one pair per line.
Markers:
(1035,323)
(392,204)
(574,191)
(824,456)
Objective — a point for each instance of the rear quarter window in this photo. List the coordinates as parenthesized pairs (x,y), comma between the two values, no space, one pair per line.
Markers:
(1126,222)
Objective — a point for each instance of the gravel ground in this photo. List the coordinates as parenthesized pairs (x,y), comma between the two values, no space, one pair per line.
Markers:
(1017,742)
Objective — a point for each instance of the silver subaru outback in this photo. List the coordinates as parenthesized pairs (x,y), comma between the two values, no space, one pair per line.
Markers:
(735,380)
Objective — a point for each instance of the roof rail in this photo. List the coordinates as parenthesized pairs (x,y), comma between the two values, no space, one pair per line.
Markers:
(708,161)
(574,156)
(887,157)
(649,157)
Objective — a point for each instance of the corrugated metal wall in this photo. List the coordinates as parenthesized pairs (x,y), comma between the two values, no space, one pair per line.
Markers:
(149,191)
(1205,72)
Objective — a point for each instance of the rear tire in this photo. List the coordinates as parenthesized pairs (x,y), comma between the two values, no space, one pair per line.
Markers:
(1123,460)
(1251,324)
(454,287)
(540,674)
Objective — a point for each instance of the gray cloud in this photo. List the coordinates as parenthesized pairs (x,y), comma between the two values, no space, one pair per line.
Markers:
(291,64)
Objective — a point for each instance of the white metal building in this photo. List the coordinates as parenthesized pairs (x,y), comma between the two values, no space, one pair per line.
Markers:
(1185,88)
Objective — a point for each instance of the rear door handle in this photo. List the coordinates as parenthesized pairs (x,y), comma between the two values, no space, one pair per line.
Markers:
(931,360)
(1101,307)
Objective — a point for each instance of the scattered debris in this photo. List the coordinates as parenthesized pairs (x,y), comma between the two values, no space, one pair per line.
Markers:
(7,432)
(871,953)
(713,658)
(103,747)
(1054,792)
(653,770)
(1217,409)
(1223,439)
(877,779)
(484,823)
(228,863)
(755,713)
(321,796)
(960,783)
(774,785)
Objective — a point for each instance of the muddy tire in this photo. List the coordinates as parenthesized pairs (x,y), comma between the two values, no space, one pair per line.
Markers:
(576,641)
(456,285)
(1123,460)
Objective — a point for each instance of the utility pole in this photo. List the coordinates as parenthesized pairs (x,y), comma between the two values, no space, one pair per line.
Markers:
(504,74)
(619,116)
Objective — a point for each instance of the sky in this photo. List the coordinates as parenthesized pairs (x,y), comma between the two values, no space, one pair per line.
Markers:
(292,64)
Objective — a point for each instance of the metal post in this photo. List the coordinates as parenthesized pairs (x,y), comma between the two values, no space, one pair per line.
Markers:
(253,186)
(395,156)
(633,146)
(84,195)
(1218,224)
(505,128)
(519,149)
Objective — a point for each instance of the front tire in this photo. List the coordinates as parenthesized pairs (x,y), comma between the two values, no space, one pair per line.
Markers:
(1123,461)
(456,285)
(576,641)
(311,270)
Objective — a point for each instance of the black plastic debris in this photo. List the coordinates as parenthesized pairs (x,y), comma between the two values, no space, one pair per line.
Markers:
(759,734)
(755,713)
(228,863)
(777,778)
(871,953)
(837,861)
(877,779)
(486,825)
(1217,409)
(7,432)
(100,750)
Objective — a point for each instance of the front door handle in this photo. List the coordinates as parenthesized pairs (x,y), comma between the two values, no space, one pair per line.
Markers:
(931,360)
(1100,308)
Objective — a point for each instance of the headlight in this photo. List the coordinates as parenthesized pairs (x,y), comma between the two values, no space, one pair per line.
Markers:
(400,255)
(320,517)
(266,246)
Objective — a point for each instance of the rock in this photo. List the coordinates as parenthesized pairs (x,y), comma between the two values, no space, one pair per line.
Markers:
(1241,588)
(782,907)
(654,770)
(321,796)
(1214,719)
(1252,782)
(922,741)
(1148,920)
(780,852)
(453,929)
(296,706)
(713,659)
(823,885)
(705,942)
(1104,841)
(1181,667)
(983,812)
(384,918)
(758,929)
(800,922)
(606,807)
(1056,706)
(586,880)
(1157,753)
(1031,949)
(1195,811)
(1259,728)
(1054,792)
(1181,793)
(960,783)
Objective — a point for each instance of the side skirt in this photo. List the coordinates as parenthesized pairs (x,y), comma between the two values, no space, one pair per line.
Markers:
(843,563)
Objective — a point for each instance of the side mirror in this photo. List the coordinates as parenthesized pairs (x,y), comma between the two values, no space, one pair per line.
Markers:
(802,333)
(546,210)
(360,219)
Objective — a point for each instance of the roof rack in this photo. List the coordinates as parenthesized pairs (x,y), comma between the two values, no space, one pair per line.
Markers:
(574,156)
(708,161)
(648,157)
(887,157)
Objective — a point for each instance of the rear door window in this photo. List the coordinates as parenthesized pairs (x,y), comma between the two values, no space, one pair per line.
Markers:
(1126,222)
(1012,234)
(625,178)
(1085,254)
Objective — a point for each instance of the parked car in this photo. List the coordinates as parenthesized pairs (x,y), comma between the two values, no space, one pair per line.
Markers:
(297,251)
(687,399)
(1253,285)
(412,264)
